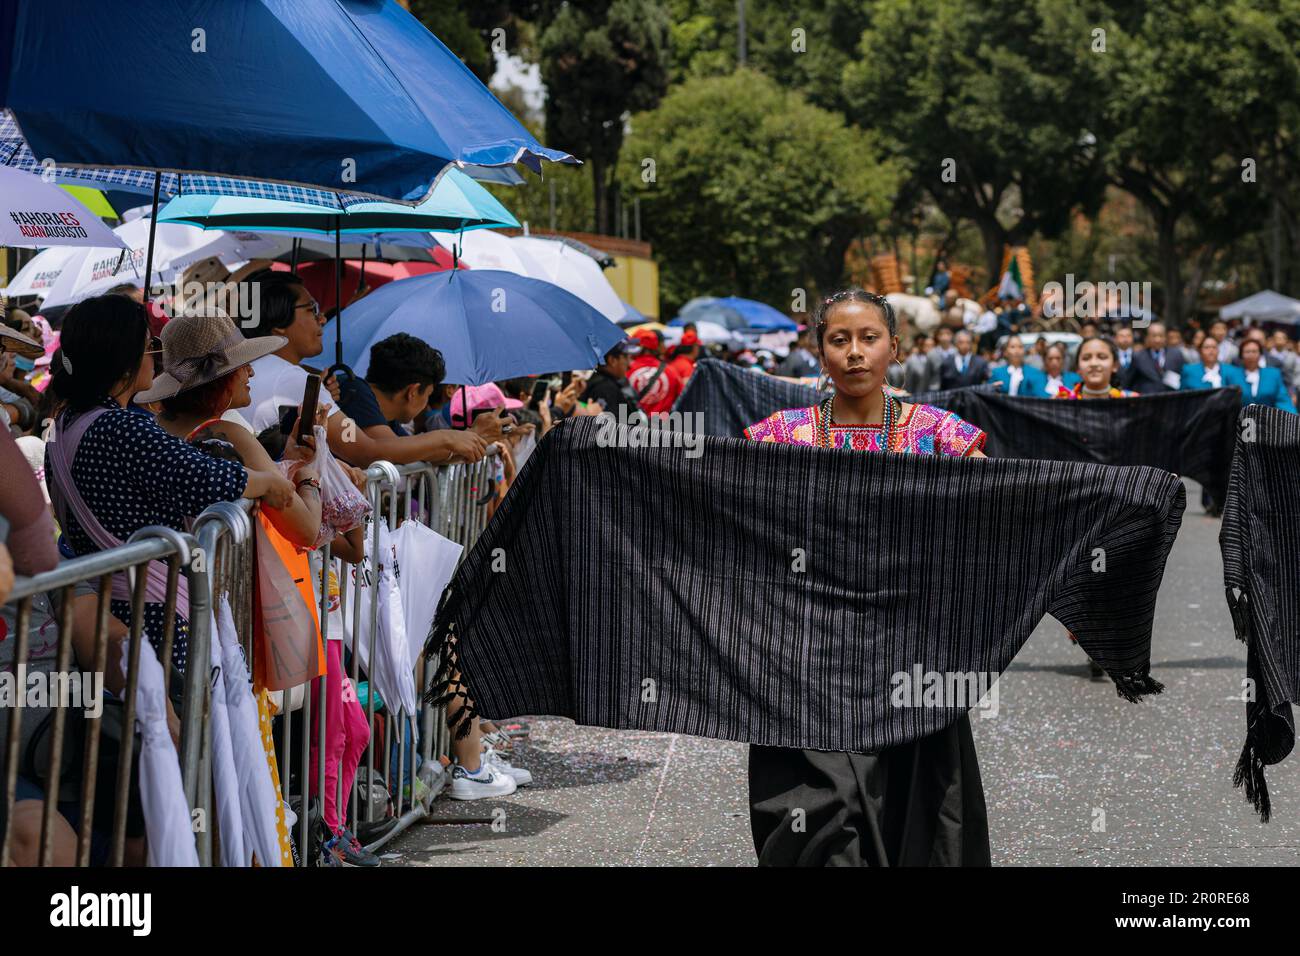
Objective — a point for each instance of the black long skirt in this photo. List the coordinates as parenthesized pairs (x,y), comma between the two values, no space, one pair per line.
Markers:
(919,804)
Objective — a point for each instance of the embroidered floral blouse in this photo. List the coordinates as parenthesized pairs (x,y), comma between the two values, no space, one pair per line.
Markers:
(1077,392)
(921,430)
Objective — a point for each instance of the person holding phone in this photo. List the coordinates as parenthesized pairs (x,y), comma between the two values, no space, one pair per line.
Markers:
(404,375)
(281,305)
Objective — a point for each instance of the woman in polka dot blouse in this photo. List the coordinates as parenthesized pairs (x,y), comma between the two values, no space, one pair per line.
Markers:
(128,471)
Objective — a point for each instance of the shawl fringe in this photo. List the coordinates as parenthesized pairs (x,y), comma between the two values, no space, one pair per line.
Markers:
(445,687)
(1250,774)
(1133,687)
(1239,608)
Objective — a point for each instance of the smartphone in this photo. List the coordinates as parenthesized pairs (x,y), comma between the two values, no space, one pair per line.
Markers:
(310,395)
(540,388)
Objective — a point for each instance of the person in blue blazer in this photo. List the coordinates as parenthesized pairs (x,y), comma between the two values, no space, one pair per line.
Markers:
(1015,377)
(1209,372)
(1055,377)
(1262,384)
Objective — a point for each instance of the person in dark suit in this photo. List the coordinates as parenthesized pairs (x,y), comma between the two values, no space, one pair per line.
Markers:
(1156,368)
(1124,348)
(964,367)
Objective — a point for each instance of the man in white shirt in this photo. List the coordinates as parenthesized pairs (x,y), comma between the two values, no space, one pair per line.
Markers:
(285,307)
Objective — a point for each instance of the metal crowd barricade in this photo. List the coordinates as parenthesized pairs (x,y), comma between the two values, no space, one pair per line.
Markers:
(451,500)
(59,586)
(218,561)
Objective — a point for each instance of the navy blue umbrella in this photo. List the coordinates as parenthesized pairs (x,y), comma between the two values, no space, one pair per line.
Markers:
(488,325)
(735,314)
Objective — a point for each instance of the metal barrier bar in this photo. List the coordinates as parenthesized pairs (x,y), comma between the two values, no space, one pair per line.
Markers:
(148,544)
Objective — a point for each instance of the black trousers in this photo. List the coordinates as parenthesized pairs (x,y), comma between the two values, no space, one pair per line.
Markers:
(920,804)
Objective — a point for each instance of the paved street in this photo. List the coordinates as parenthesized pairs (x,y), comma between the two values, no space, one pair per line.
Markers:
(1061,752)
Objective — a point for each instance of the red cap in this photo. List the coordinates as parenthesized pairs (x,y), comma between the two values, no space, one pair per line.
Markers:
(648,339)
(690,338)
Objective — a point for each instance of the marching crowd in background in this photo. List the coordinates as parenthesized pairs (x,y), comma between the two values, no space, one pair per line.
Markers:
(117,420)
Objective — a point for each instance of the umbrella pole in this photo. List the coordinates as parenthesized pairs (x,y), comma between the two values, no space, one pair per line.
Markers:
(338,293)
(153,226)
(362,284)
(293,261)
(464,408)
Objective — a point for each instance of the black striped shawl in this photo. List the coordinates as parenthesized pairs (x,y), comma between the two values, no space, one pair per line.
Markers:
(1260,541)
(639,588)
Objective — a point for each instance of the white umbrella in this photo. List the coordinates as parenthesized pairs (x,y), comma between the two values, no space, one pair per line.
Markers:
(225,777)
(162,794)
(258,800)
(35,213)
(485,249)
(175,248)
(546,259)
(575,272)
(709,333)
(40,273)
(1266,306)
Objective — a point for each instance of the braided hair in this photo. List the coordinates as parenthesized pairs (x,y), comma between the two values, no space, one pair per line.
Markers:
(853,294)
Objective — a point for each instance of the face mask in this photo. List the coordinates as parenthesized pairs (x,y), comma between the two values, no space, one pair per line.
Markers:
(24,364)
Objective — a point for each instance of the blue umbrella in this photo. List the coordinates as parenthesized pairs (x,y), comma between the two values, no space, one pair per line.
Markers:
(489,325)
(735,313)
(352,94)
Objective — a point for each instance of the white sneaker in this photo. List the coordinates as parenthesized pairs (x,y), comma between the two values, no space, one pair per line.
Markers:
(494,759)
(489,781)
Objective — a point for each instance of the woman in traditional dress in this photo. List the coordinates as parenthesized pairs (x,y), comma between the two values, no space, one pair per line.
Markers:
(919,803)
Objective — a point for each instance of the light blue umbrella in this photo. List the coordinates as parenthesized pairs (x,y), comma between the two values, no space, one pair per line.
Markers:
(488,325)
(457,203)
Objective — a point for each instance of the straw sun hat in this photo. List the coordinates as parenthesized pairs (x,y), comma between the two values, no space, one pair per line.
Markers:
(199,348)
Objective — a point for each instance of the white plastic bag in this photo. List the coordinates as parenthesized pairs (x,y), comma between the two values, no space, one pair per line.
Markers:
(342,507)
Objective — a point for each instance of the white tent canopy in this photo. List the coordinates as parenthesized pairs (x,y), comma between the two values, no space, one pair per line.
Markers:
(1266,306)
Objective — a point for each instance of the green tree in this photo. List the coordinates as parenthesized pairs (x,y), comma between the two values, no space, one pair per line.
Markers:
(600,61)
(747,188)
(1200,127)
(988,105)
(451,23)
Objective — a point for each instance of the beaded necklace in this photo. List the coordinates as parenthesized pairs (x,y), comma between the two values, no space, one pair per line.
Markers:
(887,419)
